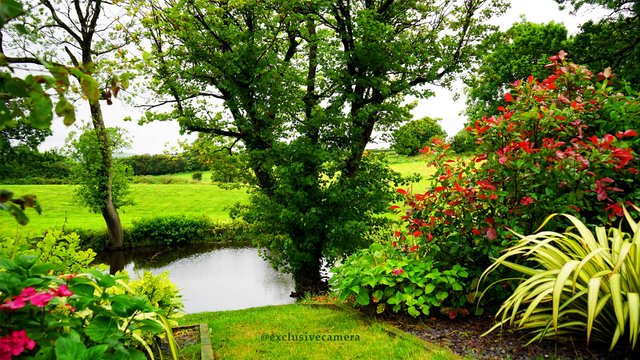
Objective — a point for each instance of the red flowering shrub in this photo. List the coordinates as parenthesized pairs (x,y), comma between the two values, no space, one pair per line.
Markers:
(556,147)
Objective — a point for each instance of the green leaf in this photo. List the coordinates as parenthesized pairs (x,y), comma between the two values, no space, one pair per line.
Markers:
(68,349)
(429,288)
(363,298)
(103,329)
(97,352)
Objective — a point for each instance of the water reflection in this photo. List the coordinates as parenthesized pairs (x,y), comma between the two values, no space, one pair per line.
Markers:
(213,278)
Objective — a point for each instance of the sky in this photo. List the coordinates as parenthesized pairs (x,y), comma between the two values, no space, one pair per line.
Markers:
(159,137)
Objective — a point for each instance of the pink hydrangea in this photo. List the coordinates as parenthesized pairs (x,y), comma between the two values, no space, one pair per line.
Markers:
(15,344)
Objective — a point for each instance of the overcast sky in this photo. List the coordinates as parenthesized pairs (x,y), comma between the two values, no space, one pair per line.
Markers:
(160,136)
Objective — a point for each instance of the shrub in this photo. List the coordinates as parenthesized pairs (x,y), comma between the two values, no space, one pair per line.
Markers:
(197,176)
(416,134)
(55,247)
(547,152)
(576,283)
(397,278)
(169,230)
(92,315)
(160,292)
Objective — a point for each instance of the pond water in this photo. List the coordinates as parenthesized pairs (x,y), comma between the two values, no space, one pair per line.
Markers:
(211,278)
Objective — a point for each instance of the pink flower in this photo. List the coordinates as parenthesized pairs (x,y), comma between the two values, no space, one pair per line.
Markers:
(14,344)
(41,299)
(63,290)
(14,304)
(398,271)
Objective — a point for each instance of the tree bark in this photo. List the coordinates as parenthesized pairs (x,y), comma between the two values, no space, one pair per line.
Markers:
(109,212)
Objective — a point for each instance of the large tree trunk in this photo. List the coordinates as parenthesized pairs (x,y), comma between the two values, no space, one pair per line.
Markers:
(308,276)
(109,212)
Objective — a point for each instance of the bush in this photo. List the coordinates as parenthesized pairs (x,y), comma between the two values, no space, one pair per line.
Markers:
(197,176)
(464,142)
(398,278)
(92,315)
(161,164)
(576,283)
(55,247)
(160,292)
(415,135)
(547,152)
(169,230)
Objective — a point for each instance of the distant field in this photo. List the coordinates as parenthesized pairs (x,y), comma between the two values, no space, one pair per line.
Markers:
(59,208)
(193,199)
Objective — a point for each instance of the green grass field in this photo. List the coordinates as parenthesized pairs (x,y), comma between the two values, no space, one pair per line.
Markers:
(188,198)
(59,207)
(297,332)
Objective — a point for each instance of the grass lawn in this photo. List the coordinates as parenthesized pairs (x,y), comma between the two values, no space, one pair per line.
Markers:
(296,331)
(193,199)
(59,207)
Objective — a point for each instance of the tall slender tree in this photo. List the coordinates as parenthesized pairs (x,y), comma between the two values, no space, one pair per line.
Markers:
(78,37)
(303,84)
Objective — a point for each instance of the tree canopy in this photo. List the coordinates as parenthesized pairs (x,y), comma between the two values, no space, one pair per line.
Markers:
(303,85)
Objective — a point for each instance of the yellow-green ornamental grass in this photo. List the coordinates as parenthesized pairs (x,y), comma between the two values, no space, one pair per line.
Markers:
(578,283)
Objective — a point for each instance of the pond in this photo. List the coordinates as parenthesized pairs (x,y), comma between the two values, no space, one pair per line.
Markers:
(211,277)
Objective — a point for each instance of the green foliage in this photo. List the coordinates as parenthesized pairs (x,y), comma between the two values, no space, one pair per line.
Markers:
(55,247)
(398,278)
(579,283)
(303,85)
(415,135)
(88,173)
(548,151)
(330,222)
(463,142)
(520,51)
(169,230)
(16,205)
(25,166)
(160,291)
(67,316)
(197,176)
(161,164)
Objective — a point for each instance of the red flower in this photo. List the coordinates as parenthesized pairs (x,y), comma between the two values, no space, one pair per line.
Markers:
(430,237)
(623,156)
(621,134)
(398,271)
(414,248)
(453,314)
(508,97)
(526,200)
(491,233)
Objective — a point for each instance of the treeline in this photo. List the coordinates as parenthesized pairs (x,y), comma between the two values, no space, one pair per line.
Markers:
(25,166)
(161,164)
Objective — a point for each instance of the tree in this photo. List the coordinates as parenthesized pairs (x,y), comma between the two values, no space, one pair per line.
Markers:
(520,51)
(415,135)
(84,150)
(26,100)
(303,85)
(613,41)
(77,33)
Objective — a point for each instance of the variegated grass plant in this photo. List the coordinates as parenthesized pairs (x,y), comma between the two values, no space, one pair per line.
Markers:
(576,284)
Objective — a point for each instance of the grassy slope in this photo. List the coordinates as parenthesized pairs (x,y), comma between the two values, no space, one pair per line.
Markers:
(202,198)
(244,334)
